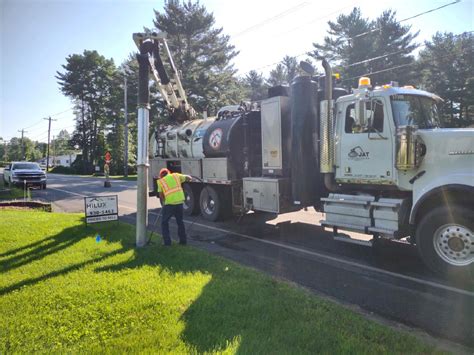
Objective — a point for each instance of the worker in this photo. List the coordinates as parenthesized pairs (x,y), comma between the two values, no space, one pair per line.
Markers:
(171,195)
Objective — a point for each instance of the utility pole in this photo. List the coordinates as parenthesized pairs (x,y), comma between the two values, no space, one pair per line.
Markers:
(125,106)
(54,149)
(49,132)
(22,146)
(5,153)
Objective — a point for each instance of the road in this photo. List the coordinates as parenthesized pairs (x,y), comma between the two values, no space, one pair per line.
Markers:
(389,281)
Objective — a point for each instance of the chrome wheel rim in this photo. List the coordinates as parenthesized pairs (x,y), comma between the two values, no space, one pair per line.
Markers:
(187,201)
(209,205)
(454,244)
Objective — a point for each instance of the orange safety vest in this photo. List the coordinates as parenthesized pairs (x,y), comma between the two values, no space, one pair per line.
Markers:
(171,187)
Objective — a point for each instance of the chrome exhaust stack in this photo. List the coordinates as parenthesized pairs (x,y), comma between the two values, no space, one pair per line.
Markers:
(327,147)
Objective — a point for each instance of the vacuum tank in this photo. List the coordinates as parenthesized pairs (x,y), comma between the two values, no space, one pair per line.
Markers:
(237,137)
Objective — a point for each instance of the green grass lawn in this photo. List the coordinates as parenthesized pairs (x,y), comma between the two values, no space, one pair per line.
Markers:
(62,291)
(12,192)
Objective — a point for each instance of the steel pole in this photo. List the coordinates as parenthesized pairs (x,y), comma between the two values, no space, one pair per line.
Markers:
(142,176)
(142,154)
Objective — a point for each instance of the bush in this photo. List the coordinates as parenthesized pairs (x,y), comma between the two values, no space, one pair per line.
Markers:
(63,170)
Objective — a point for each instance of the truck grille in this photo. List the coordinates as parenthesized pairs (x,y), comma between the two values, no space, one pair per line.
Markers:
(29,177)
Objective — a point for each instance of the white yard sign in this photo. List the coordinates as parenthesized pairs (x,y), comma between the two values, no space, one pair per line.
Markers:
(101,208)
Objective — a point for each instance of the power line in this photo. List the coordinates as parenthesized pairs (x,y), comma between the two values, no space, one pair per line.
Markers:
(59,113)
(380,71)
(271,19)
(393,53)
(365,33)
(360,62)
(38,135)
(406,19)
(35,124)
(338,12)
(389,69)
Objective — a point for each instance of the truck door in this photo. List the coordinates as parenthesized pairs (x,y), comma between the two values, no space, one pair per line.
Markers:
(366,147)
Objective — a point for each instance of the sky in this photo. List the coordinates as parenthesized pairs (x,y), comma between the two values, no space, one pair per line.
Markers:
(37,35)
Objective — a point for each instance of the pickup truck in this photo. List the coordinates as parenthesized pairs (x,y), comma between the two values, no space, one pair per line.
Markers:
(21,173)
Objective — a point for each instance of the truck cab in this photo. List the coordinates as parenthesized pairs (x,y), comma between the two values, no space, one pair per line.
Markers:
(398,173)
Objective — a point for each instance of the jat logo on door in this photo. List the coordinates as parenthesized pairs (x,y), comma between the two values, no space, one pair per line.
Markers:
(358,153)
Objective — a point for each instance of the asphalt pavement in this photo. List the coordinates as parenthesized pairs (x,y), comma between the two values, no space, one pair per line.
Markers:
(388,280)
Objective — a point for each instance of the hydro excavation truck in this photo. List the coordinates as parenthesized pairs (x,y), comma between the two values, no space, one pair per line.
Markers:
(375,160)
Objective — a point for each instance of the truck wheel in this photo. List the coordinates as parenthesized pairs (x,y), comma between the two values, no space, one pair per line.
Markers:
(445,240)
(210,204)
(43,186)
(190,205)
(6,182)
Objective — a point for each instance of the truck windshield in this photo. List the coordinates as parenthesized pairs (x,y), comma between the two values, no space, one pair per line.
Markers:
(28,166)
(410,110)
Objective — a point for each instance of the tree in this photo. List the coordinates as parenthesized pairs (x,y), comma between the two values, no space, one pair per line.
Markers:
(447,69)
(358,46)
(255,84)
(88,80)
(14,150)
(395,41)
(201,52)
(284,72)
(277,76)
(291,68)
(62,143)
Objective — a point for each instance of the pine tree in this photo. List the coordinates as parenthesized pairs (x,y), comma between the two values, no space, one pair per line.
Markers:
(255,84)
(284,72)
(88,80)
(277,76)
(201,52)
(395,41)
(447,69)
(354,44)
(291,68)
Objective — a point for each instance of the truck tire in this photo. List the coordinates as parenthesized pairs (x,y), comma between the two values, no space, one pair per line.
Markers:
(43,186)
(190,205)
(445,241)
(6,183)
(210,204)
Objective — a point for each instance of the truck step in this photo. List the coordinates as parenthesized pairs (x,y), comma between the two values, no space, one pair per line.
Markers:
(346,239)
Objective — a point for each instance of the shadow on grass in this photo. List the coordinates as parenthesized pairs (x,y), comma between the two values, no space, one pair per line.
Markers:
(228,310)
(48,246)
(66,238)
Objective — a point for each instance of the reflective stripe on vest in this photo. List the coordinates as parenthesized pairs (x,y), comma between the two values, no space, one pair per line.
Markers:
(172,190)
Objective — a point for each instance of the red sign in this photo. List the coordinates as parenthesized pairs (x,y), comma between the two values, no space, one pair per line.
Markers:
(108,157)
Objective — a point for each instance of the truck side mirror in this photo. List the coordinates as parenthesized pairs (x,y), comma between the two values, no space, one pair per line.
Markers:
(361,112)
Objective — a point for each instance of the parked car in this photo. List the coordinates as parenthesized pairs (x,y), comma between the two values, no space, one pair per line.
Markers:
(19,173)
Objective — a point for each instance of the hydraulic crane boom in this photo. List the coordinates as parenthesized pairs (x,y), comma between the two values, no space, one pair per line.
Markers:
(170,88)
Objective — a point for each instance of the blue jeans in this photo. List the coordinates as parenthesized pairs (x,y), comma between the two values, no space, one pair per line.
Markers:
(167,212)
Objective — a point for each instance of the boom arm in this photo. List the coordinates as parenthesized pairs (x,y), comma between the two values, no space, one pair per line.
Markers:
(170,89)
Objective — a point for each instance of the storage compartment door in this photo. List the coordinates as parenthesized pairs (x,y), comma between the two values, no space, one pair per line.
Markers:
(271,134)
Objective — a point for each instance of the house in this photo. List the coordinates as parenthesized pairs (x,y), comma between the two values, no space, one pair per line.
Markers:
(60,160)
